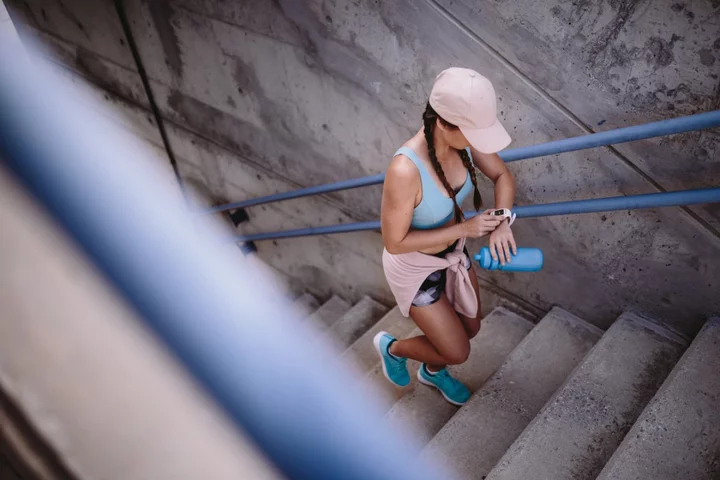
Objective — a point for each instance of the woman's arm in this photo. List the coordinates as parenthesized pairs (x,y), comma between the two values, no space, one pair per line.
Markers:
(402,184)
(492,166)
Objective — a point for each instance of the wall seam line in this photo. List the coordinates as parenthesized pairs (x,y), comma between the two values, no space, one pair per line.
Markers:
(119,8)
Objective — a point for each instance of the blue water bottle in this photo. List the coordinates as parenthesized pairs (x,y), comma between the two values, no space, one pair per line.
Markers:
(526,260)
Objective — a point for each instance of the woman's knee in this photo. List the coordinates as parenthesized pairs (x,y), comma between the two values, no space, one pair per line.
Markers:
(457,354)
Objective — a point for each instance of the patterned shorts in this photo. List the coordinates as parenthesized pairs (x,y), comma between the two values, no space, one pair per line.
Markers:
(434,285)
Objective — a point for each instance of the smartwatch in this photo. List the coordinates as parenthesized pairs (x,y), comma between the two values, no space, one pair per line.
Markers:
(504,213)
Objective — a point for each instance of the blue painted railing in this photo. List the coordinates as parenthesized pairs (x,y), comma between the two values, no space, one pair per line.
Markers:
(611,137)
(629,202)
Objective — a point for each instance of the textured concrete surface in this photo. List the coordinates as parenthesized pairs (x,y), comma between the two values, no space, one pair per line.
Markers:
(424,411)
(357,321)
(473,441)
(617,63)
(304,92)
(581,426)
(329,312)
(362,352)
(143,418)
(678,434)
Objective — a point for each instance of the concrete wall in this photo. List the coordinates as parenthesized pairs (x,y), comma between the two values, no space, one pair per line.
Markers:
(262,97)
(108,399)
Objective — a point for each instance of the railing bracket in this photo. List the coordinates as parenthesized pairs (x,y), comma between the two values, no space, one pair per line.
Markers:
(237,217)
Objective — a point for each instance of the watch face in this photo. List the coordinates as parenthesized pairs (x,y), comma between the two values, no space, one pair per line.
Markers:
(499,213)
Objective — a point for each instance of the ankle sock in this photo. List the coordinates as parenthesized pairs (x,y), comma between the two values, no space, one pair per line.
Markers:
(388,350)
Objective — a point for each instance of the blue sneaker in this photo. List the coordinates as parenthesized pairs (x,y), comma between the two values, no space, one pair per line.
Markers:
(394,368)
(453,391)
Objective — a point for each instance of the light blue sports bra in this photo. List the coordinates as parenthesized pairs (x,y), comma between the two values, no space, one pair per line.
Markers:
(435,209)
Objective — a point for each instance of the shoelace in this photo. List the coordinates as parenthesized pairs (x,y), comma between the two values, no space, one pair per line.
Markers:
(399,363)
(453,383)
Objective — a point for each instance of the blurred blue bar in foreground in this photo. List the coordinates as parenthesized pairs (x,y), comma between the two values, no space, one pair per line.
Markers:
(219,316)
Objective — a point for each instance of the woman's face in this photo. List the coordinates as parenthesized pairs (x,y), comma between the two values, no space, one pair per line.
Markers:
(453,136)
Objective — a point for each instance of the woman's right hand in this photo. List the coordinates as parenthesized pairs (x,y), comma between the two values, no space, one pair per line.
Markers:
(481,225)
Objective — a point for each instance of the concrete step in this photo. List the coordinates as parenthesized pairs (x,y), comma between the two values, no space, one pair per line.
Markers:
(678,434)
(305,304)
(581,426)
(388,393)
(475,438)
(424,411)
(357,321)
(362,353)
(331,311)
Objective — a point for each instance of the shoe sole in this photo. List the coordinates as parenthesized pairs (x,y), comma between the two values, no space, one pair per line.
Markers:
(422,380)
(376,342)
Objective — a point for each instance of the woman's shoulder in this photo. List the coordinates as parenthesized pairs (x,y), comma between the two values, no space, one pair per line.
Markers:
(402,178)
(402,165)
(403,168)
(402,173)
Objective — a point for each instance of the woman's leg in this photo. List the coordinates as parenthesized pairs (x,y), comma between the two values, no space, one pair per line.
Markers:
(449,347)
(445,342)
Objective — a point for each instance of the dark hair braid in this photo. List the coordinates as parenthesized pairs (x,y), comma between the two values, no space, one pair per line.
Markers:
(477,198)
(430,118)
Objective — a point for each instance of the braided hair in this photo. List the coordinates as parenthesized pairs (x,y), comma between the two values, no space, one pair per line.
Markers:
(430,118)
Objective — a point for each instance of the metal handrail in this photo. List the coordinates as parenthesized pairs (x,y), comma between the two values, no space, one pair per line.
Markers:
(661,128)
(241,342)
(607,204)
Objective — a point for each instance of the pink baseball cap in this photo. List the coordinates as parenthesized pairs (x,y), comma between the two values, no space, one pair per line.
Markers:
(465,98)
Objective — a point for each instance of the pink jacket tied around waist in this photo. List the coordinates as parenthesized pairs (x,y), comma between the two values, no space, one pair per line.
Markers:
(407,271)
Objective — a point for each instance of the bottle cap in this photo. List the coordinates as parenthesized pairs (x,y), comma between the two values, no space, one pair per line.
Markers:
(484,258)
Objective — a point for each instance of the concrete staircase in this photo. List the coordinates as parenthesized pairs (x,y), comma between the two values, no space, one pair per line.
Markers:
(558,400)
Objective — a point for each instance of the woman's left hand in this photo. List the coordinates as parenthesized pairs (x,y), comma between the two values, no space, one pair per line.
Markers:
(501,241)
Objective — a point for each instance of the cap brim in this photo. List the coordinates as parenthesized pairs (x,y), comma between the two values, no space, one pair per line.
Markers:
(488,140)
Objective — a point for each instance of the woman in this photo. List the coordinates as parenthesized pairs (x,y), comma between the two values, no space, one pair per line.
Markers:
(424,230)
